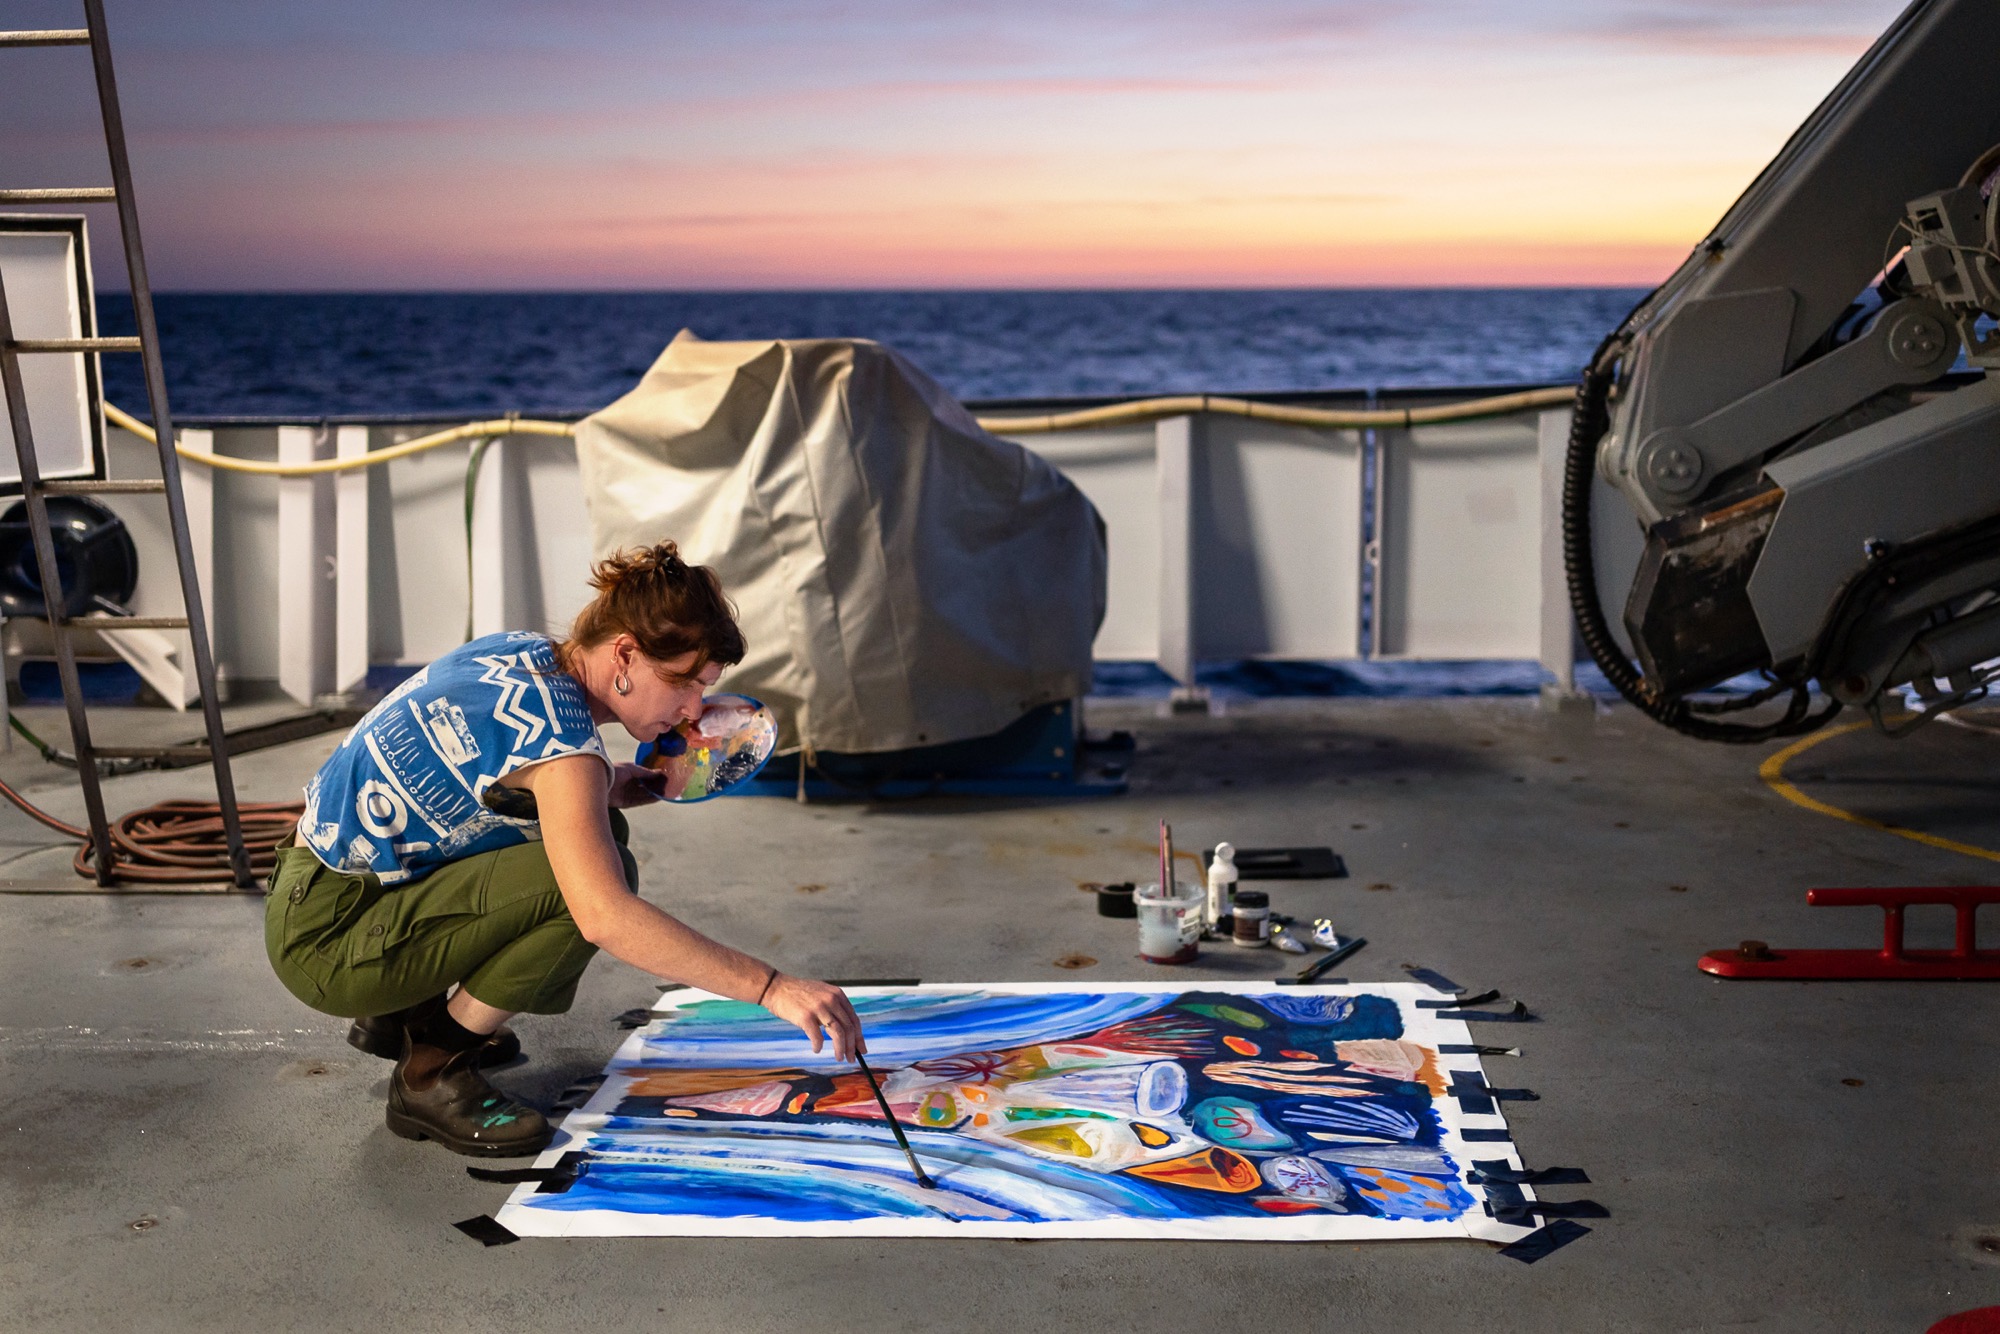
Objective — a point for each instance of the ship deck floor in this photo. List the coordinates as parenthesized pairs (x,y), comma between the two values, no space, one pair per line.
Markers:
(1788,1156)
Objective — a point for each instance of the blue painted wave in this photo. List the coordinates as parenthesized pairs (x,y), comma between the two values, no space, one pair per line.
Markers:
(910,1026)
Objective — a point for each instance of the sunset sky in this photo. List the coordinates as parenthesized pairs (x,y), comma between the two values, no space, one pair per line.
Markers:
(568,144)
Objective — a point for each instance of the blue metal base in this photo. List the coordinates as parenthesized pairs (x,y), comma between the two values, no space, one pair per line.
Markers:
(1044,753)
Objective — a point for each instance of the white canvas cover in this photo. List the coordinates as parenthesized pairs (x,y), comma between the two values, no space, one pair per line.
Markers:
(903,578)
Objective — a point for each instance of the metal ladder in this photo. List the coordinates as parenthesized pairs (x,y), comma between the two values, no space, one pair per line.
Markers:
(35,491)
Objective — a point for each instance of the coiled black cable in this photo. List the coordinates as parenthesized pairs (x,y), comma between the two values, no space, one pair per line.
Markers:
(1588,423)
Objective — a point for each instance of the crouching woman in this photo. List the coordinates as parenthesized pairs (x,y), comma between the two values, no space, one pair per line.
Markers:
(407,901)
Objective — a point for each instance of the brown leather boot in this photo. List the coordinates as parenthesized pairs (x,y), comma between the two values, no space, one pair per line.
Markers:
(439,1094)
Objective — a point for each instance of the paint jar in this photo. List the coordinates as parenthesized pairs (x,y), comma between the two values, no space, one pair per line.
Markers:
(1221,884)
(1169,924)
(1253,918)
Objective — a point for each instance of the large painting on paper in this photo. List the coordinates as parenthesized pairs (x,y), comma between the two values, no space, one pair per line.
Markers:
(1220,1111)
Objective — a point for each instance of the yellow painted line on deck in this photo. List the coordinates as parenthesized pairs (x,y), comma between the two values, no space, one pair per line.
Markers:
(1772,771)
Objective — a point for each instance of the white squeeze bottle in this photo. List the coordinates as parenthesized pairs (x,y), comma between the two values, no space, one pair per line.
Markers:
(1221,884)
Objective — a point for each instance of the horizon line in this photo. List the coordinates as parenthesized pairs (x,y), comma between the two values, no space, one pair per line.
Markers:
(882,290)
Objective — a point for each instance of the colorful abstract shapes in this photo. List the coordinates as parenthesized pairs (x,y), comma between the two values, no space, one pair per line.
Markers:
(1228,1014)
(1237,1124)
(1373,1119)
(1151,1136)
(1282,1206)
(797,1104)
(1397,1195)
(756,1100)
(674,1083)
(1310,1009)
(972,1067)
(1055,1139)
(1417,1159)
(1287,1077)
(1298,1178)
(937,1109)
(1149,1090)
(1241,1046)
(1387,1057)
(1165,1034)
(1211,1169)
(1298,1055)
(1056,1114)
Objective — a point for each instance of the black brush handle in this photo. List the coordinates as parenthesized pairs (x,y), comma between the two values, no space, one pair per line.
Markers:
(895,1126)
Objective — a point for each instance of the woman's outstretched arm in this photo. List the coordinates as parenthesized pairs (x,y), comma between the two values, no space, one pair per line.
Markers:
(571,793)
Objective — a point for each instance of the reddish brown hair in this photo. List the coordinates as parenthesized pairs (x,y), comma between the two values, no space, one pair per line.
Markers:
(669,606)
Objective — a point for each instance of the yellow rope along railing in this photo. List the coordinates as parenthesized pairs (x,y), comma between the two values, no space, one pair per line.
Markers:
(1111,414)
(1151,409)
(472,430)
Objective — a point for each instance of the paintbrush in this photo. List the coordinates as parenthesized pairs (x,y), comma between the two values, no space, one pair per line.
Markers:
(1166,861)
(895,1128)
(1318,967)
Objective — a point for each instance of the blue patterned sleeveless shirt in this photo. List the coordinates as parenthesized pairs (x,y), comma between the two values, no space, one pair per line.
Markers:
(403,793)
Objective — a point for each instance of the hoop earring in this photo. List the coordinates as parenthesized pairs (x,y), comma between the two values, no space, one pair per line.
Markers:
(622,684)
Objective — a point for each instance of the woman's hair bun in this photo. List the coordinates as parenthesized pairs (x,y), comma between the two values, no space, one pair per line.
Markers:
(671,608)
(637,564)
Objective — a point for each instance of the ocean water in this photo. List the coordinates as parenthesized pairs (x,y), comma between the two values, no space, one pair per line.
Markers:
(313,355)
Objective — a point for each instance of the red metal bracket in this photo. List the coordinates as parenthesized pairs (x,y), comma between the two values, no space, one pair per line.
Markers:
(1964,961)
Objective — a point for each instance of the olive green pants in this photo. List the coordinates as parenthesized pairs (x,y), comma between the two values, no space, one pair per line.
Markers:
(495,923)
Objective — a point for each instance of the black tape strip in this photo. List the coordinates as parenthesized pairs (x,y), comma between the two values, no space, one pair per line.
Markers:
(1544,1241)
(1568,1209)
(1433,979)
(1472,1097)
(1472,1049)
(1488,1170)
(1518,1015)
(564,1174)
(1317,982)
(577,1094)
(1464,1082)
(486,1231)
(1478,1136)
(635,1018)
(1481,999)
(1505,1202)
(554,1179)
(874,981)
(1522,1212)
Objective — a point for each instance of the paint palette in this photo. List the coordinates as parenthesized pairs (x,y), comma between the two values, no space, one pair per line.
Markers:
(711,754)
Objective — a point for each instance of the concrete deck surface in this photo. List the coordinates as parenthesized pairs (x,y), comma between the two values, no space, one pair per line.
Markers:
(186,1147)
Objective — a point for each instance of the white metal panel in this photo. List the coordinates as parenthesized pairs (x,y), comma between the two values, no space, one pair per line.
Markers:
(1175,444)
(45,300)
(1276,555)
(419,594)
(552,528)
(1461,540)
(350,543)
(491,539)
(244,616)
(1558,622)
(531,551)
(307,567)
(1115,469)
